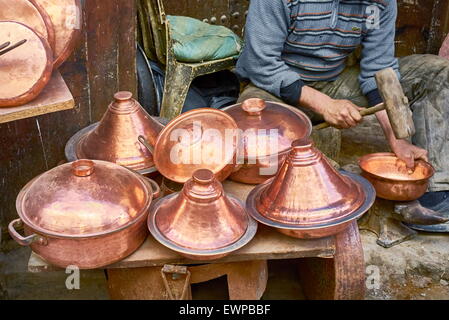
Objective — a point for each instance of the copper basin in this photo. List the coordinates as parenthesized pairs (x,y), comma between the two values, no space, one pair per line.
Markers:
(391,178)
(201,222)
(308,198)
(87,213)
(116,137)
(203,138)
(268,130)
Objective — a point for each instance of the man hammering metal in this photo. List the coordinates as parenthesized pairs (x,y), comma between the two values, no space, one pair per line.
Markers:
(296,51)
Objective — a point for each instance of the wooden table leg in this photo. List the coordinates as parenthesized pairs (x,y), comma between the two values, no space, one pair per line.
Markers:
(339,278)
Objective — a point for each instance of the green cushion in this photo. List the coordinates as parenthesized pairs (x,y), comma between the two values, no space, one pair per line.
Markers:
(197,41)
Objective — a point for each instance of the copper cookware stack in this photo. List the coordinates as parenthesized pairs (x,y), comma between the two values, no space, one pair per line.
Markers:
(269,128)
(48,31)
(201,222)
(87,213)
(308,198)
(116,137)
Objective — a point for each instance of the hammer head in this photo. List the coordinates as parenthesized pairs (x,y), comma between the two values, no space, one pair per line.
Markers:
(396,103)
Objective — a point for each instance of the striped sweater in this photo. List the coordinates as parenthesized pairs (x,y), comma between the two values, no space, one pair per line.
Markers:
(290,42)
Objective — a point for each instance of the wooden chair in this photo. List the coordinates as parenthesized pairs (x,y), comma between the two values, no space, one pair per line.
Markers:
(157,43)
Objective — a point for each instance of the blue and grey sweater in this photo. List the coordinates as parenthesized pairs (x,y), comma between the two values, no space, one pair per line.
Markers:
(291,42)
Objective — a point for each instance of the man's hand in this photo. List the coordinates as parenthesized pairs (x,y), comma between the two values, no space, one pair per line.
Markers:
(407,152)
(342,114)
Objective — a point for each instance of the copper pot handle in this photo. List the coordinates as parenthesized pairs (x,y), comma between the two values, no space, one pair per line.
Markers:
(144,141)
(24,241)
(155,188)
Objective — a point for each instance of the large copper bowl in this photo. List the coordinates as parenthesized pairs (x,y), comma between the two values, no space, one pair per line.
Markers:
(87,213)
(392,180)
(268,131)
(308,198)
(201,222)
(203,138)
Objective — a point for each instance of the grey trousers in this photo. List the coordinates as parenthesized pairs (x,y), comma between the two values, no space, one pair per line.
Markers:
(425,80)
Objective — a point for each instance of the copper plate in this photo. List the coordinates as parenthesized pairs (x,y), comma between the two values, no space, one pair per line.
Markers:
(26,70)
(197,140)
(392,180)
(31,15)
(66,16)
(115,137)
(201,221)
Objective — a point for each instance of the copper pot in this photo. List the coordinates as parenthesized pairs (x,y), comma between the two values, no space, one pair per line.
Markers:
(308,198)
(116,137)
(269,128)
(87,213)
(392,180)
(203,138)
(201,222)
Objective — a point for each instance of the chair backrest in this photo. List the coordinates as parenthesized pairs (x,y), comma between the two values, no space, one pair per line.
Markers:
(154,28)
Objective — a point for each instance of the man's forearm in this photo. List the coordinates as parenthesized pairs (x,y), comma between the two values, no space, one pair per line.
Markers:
(313,99)
(384,122)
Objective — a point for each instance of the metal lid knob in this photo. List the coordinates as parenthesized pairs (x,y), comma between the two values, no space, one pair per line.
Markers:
(253,106)
(83,168)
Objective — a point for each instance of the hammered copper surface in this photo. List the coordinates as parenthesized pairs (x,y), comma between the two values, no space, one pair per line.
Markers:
(201,217)
(84,198)
(24,11)
(115,139)
(26,70)
(87,213)
(203,138)
(269,128)
(391,178)
(309,196)
(66,17)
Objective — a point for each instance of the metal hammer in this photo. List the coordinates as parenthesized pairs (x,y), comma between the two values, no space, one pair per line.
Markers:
(395,102)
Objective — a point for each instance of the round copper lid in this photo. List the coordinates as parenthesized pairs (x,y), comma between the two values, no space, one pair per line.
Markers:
(201,219)
(116,137)
(203,138)
(66,17)
(84,198)
(308,192)
(31,15)
(25,70)
(268,127)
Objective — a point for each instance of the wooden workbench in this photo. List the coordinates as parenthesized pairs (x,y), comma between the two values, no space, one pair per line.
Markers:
(331,268)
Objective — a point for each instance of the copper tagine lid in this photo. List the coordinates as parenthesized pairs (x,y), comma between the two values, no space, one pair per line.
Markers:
(203,138)
(201,219)
(66,17)
(84,198)
(25,70)
(30,14)
(308,191)
(116,138)
(268,127)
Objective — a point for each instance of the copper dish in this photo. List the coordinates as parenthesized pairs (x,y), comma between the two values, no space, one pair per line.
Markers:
(203,138)
(66,17)
(26,70)
(30,14)
(392,180)
(116,137)
(201,222)
(308,198)
(263,154)
(85,213)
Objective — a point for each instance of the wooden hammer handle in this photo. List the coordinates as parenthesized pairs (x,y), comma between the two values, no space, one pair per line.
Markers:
(364,112)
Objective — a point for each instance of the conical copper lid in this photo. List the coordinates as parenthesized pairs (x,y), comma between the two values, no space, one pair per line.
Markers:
(201,219)
(307,192)
(256,118)
(84,198)
(116,138)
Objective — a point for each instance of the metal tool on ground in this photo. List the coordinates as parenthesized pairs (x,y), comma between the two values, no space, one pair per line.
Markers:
(395,103)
